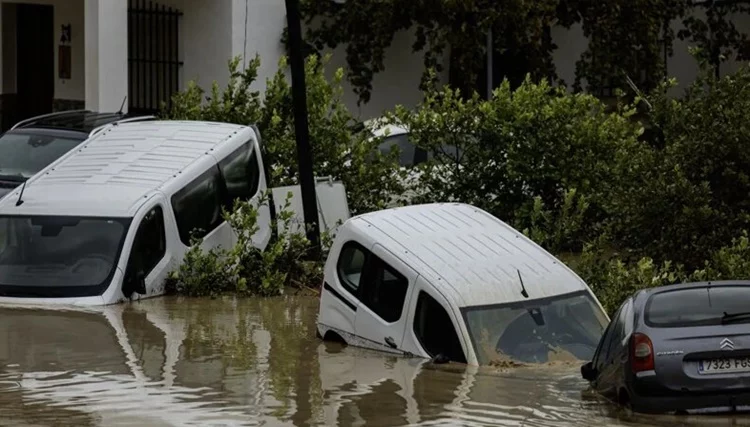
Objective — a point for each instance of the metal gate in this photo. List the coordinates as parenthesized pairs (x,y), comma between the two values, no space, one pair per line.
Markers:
(153,55)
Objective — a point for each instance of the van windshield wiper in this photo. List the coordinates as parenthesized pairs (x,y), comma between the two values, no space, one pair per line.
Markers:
(731,317)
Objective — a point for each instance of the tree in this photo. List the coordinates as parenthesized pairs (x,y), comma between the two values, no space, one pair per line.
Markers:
(628,39)
(716,37)
(520,29)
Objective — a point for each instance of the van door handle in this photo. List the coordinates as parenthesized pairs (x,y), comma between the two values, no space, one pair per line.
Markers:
(390,342)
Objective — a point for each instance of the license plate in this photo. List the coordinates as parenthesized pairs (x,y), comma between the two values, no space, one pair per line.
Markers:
(721,366)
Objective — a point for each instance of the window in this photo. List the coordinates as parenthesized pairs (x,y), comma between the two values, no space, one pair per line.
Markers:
(405,147)
(241,173)
(59,256)
(435,331)
(697,306)
(197,207)
(531,331)
(602,351)
(383,290)
(607,340)
(149,247)
(373,282)
(618,333)
(350,265)
(23,154)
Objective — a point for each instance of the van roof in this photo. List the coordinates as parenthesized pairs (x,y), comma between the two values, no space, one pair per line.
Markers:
(470,254)
(114,172)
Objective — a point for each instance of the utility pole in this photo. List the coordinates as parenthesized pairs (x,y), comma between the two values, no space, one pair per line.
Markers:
(301,131)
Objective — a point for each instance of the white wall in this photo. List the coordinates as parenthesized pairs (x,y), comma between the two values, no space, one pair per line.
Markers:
(681,65)
(571,43)
(397,85)
(107,49)
(266,19)
(205,40)
(65,12)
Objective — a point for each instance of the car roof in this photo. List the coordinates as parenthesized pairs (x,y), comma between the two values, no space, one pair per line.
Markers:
(468,253)
(117,170)
(647,293)
(378,129)
(83,121)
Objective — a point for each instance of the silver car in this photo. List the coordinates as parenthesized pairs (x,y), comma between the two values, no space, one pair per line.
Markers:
(681,349)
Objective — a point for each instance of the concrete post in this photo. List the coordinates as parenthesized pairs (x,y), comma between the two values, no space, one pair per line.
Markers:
(106,53)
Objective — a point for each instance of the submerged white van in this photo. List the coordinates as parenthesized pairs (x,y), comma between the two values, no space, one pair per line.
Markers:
(108,221)
(452,282)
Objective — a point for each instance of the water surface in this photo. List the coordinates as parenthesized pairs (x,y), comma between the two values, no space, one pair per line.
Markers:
(172,361)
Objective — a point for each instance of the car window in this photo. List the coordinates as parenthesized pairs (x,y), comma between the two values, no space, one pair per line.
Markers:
(606,344)
(435,330)
(618,333)
(696,306)
(241,173)
(601,350)
(405,147)
(197,207)
(383,290)
(350,264)
(23,155)
(149,247)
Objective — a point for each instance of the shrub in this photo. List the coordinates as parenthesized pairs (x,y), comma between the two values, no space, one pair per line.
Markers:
(341,148)
(244,269)
(523,151)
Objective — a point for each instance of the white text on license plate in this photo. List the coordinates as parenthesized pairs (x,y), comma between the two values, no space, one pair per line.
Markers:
(720,366)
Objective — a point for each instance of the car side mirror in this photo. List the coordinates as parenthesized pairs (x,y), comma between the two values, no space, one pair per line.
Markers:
(588,372)
(135,283)
(140,282)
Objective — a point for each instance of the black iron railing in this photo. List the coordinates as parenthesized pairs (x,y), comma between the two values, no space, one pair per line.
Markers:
(153,55)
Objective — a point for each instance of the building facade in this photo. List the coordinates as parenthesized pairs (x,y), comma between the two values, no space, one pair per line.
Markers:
(101,54)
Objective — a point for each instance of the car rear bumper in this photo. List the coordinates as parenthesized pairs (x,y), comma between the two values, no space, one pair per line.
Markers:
(698,403)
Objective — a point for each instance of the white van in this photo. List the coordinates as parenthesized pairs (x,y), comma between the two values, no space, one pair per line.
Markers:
(108,221)
(452,282)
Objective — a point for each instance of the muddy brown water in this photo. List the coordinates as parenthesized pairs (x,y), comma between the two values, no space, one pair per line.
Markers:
(171,361)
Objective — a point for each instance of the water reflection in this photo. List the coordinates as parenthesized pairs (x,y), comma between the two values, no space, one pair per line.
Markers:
(257,362)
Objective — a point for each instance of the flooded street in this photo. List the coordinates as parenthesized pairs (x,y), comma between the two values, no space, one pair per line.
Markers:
(172,361)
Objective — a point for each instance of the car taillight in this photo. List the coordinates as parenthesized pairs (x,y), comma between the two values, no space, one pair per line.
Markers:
(641,353)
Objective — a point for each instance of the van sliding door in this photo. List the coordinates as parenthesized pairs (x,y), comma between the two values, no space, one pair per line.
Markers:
(386,289)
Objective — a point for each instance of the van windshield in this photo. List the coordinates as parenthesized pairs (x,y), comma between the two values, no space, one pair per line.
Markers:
(58,256)
(558,329)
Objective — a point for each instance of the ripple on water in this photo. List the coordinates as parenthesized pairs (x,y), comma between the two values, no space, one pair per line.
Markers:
(172,361)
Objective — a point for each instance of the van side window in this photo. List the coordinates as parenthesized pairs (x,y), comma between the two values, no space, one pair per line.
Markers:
(435,331)
(350,265)
(241,174)
(198,205)
(383,290)
(149,246)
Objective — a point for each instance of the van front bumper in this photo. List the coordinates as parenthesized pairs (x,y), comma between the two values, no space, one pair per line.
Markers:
(37,303)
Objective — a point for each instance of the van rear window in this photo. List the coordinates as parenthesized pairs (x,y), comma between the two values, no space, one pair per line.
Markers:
(696,306)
